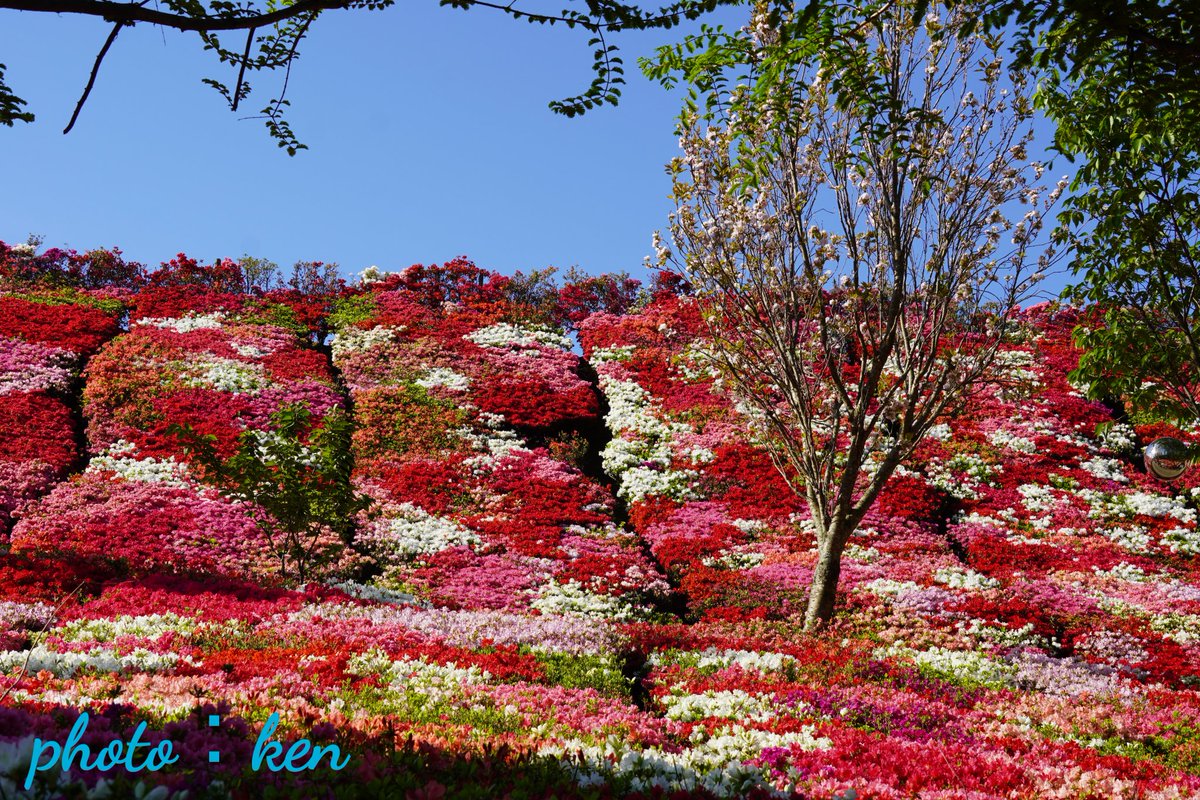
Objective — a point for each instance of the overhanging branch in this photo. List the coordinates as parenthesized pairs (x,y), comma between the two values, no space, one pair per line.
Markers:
(129,13)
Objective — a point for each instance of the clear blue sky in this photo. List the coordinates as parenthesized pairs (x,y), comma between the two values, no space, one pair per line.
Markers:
(428,130)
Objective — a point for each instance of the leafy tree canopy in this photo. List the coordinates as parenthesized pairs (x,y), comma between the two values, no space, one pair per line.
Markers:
(1120,79)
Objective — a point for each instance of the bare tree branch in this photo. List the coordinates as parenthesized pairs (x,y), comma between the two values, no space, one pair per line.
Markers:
(237,89)
(87,90)
(129,13)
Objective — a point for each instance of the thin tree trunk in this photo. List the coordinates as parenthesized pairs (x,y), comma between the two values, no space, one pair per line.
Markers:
(823,593)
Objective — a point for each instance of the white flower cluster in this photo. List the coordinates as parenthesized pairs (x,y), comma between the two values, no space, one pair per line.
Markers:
(716,763)
(101,659)
(146,626)
(886,587)
(378,594)
(1014,363)
(435,682)
(225,374)
(1182,540)
(734,558)
(1106,469)
(1120,438)
(1000,636)
(694,368)
(371,274)
(1157,505)
(640,482)
(764,661)
(961,665)
(251,350)
(941,432)
(267,443)
(119,458)
(504,334)
(1125,506)
(409,532)
(1002,438)
(603,355)
(1130,573)
(440,376)
(353,340)
(963,578)
(187,323)
(960,475)
(1037,497)
(1183,629)
(494,443)
(1134,538)
(727,704)
(749,526)
(975,518)
(867,555)
(571,598)
(640,453)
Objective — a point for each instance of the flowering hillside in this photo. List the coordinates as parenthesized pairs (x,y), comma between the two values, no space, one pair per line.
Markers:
(571,575)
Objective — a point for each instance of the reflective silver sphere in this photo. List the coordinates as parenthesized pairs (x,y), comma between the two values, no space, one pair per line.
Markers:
(1167,458)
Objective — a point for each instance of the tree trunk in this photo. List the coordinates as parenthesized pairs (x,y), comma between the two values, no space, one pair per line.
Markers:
(823,592)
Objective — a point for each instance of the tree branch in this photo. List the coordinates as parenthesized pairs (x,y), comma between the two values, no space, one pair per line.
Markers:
(129,13)
(87,90)
(237,90)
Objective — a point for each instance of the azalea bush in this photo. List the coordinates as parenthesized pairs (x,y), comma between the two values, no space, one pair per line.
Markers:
(595,589)
(218,371)
(462,402)
(46,336)
(297,477)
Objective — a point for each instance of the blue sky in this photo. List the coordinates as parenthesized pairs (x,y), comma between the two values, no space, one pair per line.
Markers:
(428,130)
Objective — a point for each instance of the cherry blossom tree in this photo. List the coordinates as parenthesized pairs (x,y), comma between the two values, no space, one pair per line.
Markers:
(859,232)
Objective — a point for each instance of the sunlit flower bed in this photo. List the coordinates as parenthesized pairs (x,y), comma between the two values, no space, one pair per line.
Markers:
(45,338)
(1020,607)
(137,508)
(582,578)
(473,423)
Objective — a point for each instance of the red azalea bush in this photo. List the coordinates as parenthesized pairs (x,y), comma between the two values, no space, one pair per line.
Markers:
(79,328)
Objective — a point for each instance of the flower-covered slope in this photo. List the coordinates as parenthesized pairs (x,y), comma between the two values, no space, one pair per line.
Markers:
(1019,616)
(137,508)
(45,338)
(472,423)
(1020,606)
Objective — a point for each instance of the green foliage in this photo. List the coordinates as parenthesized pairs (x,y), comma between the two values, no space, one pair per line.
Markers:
(404,418)
(259,273)
(278,314)
(10,105)
(1130,112)
(297,476)
(349,311)
(598,672)
(70,296)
